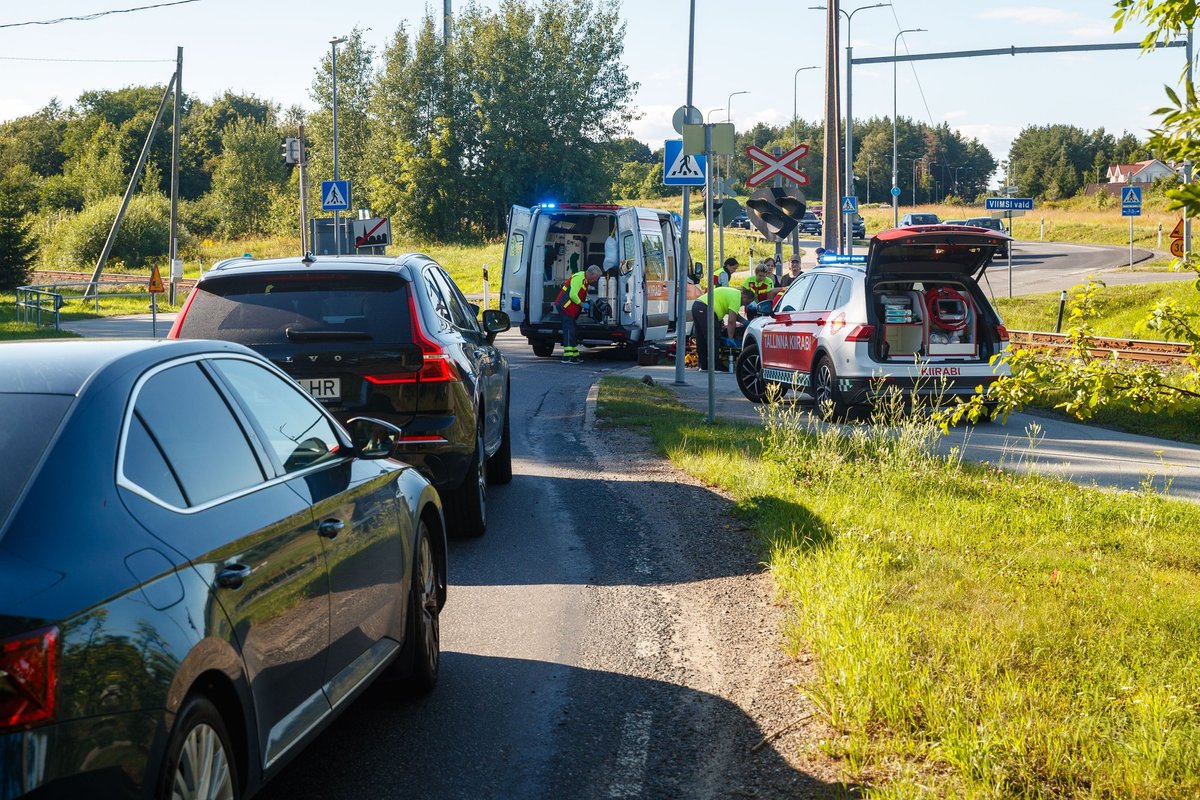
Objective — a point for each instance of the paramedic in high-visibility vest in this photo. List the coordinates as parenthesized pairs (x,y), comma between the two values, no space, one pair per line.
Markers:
(730,324)
(570,302)
(763,282)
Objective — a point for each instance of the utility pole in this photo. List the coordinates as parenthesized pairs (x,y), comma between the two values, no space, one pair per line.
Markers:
(303,166)
(831,233)
(337,215)
(685,258)
(173,249)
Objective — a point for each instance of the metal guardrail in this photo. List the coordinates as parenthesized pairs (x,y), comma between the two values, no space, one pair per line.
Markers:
(39,300)
(1144,350)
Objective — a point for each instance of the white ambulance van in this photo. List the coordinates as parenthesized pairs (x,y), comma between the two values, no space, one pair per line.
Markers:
(638,250)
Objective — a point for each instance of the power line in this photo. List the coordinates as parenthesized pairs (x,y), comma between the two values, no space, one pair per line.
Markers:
(913,67)
(95,60)
(95,15)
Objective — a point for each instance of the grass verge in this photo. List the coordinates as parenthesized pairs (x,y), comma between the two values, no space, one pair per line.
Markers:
(977,633)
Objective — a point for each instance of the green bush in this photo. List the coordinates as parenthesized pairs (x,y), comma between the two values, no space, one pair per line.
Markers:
(76,242)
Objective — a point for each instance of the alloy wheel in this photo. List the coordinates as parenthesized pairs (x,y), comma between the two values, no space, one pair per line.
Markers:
(203,771)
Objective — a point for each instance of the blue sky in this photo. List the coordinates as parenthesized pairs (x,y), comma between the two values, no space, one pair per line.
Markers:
(270,48)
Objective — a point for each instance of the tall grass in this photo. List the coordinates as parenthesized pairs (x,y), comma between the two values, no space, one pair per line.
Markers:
(977,633)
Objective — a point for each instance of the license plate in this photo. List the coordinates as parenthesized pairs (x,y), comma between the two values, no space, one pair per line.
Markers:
(323,388)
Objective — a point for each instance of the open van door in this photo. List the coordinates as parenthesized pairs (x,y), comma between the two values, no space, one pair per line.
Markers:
(632,277)
(514,285)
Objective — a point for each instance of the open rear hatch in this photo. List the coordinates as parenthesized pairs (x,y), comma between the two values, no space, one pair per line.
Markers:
(931,251)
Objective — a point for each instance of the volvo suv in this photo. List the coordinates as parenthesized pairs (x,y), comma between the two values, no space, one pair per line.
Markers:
(908,316)
(389,338)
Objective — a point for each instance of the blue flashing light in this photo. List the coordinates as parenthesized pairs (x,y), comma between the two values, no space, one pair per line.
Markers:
(548,205)
(841,258)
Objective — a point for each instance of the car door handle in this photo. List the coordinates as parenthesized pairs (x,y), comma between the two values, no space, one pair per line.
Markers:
(330,528)
(232,576)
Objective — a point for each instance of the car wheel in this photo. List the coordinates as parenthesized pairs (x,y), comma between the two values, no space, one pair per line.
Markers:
(499,466)
(467,505)
(200,759)
(827,397)
(424,615)
(542,348)
(748,371)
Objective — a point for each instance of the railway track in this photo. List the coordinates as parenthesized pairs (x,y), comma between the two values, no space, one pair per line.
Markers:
(1146,351)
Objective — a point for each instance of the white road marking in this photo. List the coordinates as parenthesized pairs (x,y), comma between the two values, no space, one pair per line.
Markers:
(630,768)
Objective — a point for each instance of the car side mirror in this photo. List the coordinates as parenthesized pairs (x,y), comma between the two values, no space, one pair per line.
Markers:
(764,307)
(495,322)
(696,272)
(372,438)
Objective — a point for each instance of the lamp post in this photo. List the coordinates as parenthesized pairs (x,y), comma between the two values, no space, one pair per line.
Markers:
(850,116)
(956,169)
(795,105)
(729,103)
(337,215)
(895,197)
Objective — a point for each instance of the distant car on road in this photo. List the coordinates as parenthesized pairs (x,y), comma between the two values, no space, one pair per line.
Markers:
(233,568)
(740,221)
(992,224)
(811,224)
(954,222)
(391,338)
(919,219)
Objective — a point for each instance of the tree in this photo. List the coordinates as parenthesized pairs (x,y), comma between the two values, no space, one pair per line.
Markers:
(17,244)
(355,78)
(249,173)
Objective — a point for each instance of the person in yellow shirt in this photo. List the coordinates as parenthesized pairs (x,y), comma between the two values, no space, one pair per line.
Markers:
(762,284)
(730,324)
(569,303)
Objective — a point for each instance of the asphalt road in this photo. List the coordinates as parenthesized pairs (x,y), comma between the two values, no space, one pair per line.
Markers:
(586,653)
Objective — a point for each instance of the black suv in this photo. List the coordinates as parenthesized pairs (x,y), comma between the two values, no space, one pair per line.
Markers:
(390,338)
(810,224)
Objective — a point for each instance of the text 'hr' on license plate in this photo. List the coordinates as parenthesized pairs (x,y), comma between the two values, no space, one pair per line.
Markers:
(323,388)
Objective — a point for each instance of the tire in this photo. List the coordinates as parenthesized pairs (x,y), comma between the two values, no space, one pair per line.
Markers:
(542,348)
(200,760)
(466,506)
(424,617)
(499,466)
(827,397)
(748,371)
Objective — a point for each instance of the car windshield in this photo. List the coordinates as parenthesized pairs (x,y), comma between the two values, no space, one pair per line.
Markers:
(986,222)
(924,219)
(30,421)
(265,309)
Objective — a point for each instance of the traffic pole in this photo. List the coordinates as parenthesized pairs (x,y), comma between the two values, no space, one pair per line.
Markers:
(711,284)
(681,277)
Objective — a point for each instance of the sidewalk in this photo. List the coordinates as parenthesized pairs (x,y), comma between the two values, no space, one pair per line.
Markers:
(1083,453)
(132,326)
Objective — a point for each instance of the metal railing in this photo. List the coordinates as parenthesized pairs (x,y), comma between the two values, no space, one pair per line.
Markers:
(36,302)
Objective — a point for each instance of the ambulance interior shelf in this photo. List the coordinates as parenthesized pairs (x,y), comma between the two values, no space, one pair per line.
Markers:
(935,322)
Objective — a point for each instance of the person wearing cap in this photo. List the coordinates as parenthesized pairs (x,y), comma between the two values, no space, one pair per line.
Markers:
(727,301)
(793,272)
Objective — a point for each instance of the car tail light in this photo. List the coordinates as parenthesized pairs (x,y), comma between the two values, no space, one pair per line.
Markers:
(436,366)
(860,333)
(1002,332)
(178,323)
(28,678)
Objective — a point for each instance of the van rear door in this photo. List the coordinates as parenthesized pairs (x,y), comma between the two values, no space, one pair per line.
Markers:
(633,278)
(514,283)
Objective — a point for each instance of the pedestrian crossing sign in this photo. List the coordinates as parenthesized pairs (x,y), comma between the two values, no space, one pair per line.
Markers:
(680,168)
(335,195)
(1131,196)
(849,205)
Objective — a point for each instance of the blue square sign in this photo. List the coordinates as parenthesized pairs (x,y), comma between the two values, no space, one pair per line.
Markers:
(1131,201)
(680,169)
(335,195)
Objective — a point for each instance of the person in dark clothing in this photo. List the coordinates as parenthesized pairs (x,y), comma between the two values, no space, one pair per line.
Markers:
(727,301)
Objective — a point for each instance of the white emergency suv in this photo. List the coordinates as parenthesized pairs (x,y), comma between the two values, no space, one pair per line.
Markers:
(910,316)
(638,250)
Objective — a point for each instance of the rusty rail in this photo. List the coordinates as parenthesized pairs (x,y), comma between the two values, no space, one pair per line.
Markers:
(1146,351)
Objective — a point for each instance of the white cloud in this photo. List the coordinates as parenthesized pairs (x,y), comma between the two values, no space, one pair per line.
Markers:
(955,114)
(654,126)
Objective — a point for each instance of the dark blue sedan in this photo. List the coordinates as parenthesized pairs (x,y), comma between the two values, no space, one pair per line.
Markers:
(199,568)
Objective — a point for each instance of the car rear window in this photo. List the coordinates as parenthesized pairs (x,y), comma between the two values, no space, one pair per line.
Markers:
(30,421)
(264,309)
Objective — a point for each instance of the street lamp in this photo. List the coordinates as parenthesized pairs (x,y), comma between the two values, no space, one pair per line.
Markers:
(337,215)
(956,169)
(795,107)
(729,103)
(712,111)
(896,197)
(850,116)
